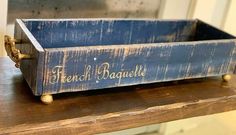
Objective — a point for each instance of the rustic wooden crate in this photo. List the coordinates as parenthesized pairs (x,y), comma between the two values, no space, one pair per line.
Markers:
(70,55)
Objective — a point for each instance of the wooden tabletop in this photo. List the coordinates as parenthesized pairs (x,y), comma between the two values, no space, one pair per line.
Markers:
(109,109)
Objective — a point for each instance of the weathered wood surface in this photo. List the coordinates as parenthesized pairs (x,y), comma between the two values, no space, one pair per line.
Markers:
(32,69)
(109,109)
(55,33)
(86,68)
(100,32)
(85,54)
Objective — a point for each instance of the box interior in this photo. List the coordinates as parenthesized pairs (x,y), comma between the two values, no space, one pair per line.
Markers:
(76,33)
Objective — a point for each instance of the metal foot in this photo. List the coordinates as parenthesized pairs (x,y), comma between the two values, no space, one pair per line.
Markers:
(47,99)
(226,77)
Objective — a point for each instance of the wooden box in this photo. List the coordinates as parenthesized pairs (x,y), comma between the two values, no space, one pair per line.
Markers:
(67,55)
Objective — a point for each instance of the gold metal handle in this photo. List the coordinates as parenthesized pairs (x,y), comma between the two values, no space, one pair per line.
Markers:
(13,52)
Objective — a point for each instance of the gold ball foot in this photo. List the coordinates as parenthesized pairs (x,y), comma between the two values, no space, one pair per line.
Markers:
(46,99)
(226,77)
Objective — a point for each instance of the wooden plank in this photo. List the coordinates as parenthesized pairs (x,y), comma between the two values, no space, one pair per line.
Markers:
(115,66)
(107,110)
(32,68)
(99,32)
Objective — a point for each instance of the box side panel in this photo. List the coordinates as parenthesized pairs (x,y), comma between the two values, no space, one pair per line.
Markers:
(106,32)
(232,64)
(32,69)
(78,69)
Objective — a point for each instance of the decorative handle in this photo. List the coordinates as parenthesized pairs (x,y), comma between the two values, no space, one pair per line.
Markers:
(13,52)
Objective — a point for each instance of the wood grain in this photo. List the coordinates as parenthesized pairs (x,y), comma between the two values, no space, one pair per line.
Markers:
(109,109)
(32,68)
(158,62)
(84,54)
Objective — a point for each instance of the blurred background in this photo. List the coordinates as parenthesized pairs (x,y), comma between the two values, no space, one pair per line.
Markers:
(220,13)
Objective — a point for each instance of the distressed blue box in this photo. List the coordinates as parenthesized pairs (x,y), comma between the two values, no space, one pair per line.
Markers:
(69,55)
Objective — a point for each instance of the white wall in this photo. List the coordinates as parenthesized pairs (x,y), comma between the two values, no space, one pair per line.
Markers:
(230,19)
(210,11)
(3,23)
(174,9)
